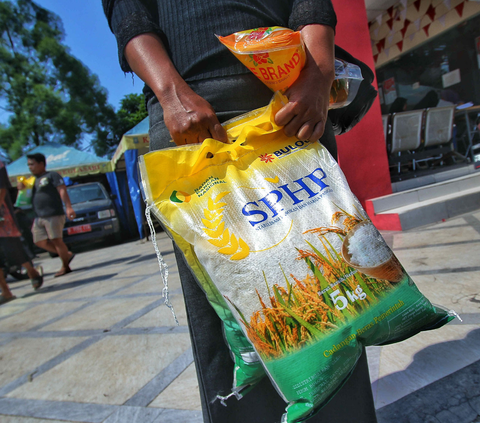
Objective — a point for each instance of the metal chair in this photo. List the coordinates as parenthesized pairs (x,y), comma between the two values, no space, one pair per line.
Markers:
(406,135)
(439,125)
(386,130)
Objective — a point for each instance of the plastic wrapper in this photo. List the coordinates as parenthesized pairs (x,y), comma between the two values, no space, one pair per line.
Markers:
(287,257)
(24,196)
(276,55)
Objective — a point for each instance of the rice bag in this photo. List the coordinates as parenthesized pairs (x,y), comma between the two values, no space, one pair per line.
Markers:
(276,56)
(286,255)
(24,196)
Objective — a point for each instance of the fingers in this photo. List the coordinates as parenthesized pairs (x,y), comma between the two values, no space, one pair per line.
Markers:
(298,123)
(190,135)
(285,114)
(215,131)
(203,134)
(218,132)
(318,131)
(195,128)
(179,139)
(306,130)
(292,128)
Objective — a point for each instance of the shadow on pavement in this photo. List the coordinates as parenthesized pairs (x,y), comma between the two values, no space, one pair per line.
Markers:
(70,285)
(448,394)
(149,257)
(102,264)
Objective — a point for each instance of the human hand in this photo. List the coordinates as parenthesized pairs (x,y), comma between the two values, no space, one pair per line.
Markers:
(306,112)
(190,119)
(70,213)
(20,185)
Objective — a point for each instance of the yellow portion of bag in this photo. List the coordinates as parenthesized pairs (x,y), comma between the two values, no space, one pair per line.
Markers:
(188,160)
(24,197)
(28,182)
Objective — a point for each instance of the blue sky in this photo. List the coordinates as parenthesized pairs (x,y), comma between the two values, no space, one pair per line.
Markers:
(90,40)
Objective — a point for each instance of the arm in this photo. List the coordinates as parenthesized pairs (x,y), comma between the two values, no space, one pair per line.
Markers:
(306,112)
(188,117)
(4,185)
(62,190)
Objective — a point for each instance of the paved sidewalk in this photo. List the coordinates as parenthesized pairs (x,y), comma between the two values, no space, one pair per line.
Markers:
(98,345)
(434,377)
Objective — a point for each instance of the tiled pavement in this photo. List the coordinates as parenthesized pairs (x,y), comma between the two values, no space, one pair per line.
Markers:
(98,345)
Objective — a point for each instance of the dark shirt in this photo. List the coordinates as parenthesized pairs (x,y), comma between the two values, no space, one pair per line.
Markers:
(8,224)
(6,185)
(188,28)
(46,199)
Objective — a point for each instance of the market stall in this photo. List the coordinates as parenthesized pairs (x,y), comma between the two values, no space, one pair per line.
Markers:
(73,164)
(67,161)
(125,176)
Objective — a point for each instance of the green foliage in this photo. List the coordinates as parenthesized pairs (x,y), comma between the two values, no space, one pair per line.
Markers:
(50,95)
(132,111)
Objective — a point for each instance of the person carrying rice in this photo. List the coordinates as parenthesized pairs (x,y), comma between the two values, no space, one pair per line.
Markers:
(193,84)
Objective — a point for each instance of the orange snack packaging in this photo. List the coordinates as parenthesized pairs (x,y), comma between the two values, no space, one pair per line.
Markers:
(276,56)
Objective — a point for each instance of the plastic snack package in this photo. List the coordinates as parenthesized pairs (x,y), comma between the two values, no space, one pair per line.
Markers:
(24,196)
(345,86)
(276,55)
(286,255)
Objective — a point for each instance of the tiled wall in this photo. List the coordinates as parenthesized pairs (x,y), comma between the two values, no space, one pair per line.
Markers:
(410,23)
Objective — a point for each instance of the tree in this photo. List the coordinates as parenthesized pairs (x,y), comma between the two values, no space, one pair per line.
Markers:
(132,111)
(51,95)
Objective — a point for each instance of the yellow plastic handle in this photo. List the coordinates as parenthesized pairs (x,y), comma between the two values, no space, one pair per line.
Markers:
(244,131)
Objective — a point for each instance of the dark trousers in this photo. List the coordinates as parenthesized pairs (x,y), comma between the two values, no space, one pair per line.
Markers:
(231,97)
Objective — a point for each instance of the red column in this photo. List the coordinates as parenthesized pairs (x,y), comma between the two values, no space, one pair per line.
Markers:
(362,151)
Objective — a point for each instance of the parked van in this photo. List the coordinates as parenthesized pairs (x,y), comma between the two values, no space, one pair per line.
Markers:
(96,218)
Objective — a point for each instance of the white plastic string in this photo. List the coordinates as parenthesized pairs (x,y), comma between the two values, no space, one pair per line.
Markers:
(161,263)
(455,314)
(223,399)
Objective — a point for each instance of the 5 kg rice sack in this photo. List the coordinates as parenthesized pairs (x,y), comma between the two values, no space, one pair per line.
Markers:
(286,255)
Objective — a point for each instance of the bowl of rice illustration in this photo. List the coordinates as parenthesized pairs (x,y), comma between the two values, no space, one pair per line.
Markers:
(365,250)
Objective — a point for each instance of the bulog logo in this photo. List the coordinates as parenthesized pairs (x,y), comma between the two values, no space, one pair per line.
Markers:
(180,197)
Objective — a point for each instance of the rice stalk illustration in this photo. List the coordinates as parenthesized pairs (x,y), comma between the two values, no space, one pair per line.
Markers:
(300,312)
(219,236)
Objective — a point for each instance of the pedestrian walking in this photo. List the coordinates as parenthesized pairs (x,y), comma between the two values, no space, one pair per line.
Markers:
(48,194)
(12,251)
(193,83)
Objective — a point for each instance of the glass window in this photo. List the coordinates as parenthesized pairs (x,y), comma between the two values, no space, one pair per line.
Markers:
(84,193)
(445,70)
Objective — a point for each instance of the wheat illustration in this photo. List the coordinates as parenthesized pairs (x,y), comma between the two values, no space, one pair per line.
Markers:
(227,242)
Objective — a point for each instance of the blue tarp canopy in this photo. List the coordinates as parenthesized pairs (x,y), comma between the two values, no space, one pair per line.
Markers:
(139,128)
(135,142)
(65,160)
(135,139)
